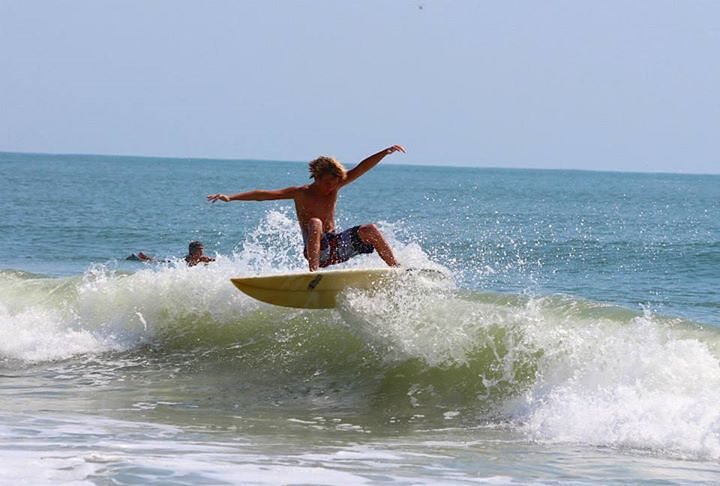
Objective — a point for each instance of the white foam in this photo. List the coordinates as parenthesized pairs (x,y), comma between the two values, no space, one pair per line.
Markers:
(626,385)
(41,335)
(624,382)
(413,318)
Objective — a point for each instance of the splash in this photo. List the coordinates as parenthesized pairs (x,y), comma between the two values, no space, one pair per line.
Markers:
(108,310)
(633,384)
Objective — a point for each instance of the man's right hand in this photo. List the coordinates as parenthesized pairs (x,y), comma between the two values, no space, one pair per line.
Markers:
(218,197)
(395,148)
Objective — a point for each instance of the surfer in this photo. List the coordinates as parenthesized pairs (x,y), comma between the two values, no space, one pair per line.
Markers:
(315,209)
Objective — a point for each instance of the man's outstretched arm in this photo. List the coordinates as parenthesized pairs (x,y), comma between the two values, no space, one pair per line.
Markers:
(258,195)
(370,162)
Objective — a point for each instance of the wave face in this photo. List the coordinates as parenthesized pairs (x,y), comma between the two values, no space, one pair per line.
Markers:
(557,368)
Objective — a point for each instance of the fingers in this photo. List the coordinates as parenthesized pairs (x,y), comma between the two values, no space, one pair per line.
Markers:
(215,197)
(396,148)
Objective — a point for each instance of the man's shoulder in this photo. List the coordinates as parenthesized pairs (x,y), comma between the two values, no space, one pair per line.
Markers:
(301,189)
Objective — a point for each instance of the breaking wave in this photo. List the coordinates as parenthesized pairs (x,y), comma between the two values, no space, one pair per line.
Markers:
(558,368)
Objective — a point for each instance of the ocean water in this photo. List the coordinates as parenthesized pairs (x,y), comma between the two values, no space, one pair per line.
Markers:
(578,342)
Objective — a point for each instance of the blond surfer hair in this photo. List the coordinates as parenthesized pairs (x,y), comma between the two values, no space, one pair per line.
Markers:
(326,165)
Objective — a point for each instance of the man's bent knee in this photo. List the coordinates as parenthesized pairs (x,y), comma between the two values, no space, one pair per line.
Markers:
(368,232)
(314,224)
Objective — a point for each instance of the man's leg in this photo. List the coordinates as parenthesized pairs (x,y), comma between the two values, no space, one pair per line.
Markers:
(314,234)
(369,234)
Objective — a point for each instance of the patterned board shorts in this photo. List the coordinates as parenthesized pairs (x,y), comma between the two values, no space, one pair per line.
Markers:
(341,247)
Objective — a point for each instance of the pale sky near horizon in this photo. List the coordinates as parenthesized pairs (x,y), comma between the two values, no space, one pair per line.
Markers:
(603,85)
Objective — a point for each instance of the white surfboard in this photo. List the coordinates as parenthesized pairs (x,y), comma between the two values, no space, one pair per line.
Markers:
(317,290)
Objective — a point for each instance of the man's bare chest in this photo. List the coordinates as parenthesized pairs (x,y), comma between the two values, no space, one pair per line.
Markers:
(316,204)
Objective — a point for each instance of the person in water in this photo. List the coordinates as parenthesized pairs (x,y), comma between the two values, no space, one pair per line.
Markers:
(140,257)
(315,208)
(195,254)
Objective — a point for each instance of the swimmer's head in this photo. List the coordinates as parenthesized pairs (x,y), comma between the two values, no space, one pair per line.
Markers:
(195,247)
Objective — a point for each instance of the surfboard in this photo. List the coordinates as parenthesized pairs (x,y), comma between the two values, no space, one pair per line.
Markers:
(316,290)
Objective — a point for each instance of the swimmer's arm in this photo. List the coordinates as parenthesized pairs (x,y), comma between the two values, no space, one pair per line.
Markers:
(257,195)
(370,162)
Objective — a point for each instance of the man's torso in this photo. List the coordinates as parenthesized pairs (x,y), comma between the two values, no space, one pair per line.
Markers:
(309,204)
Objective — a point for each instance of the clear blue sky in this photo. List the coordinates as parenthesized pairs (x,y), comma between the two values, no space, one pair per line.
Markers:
(616,85)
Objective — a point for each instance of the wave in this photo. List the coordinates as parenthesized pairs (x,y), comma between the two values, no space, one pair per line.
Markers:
(559,368)
(107,309)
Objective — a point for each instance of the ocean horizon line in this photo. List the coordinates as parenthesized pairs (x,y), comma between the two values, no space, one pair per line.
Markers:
(426,165)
